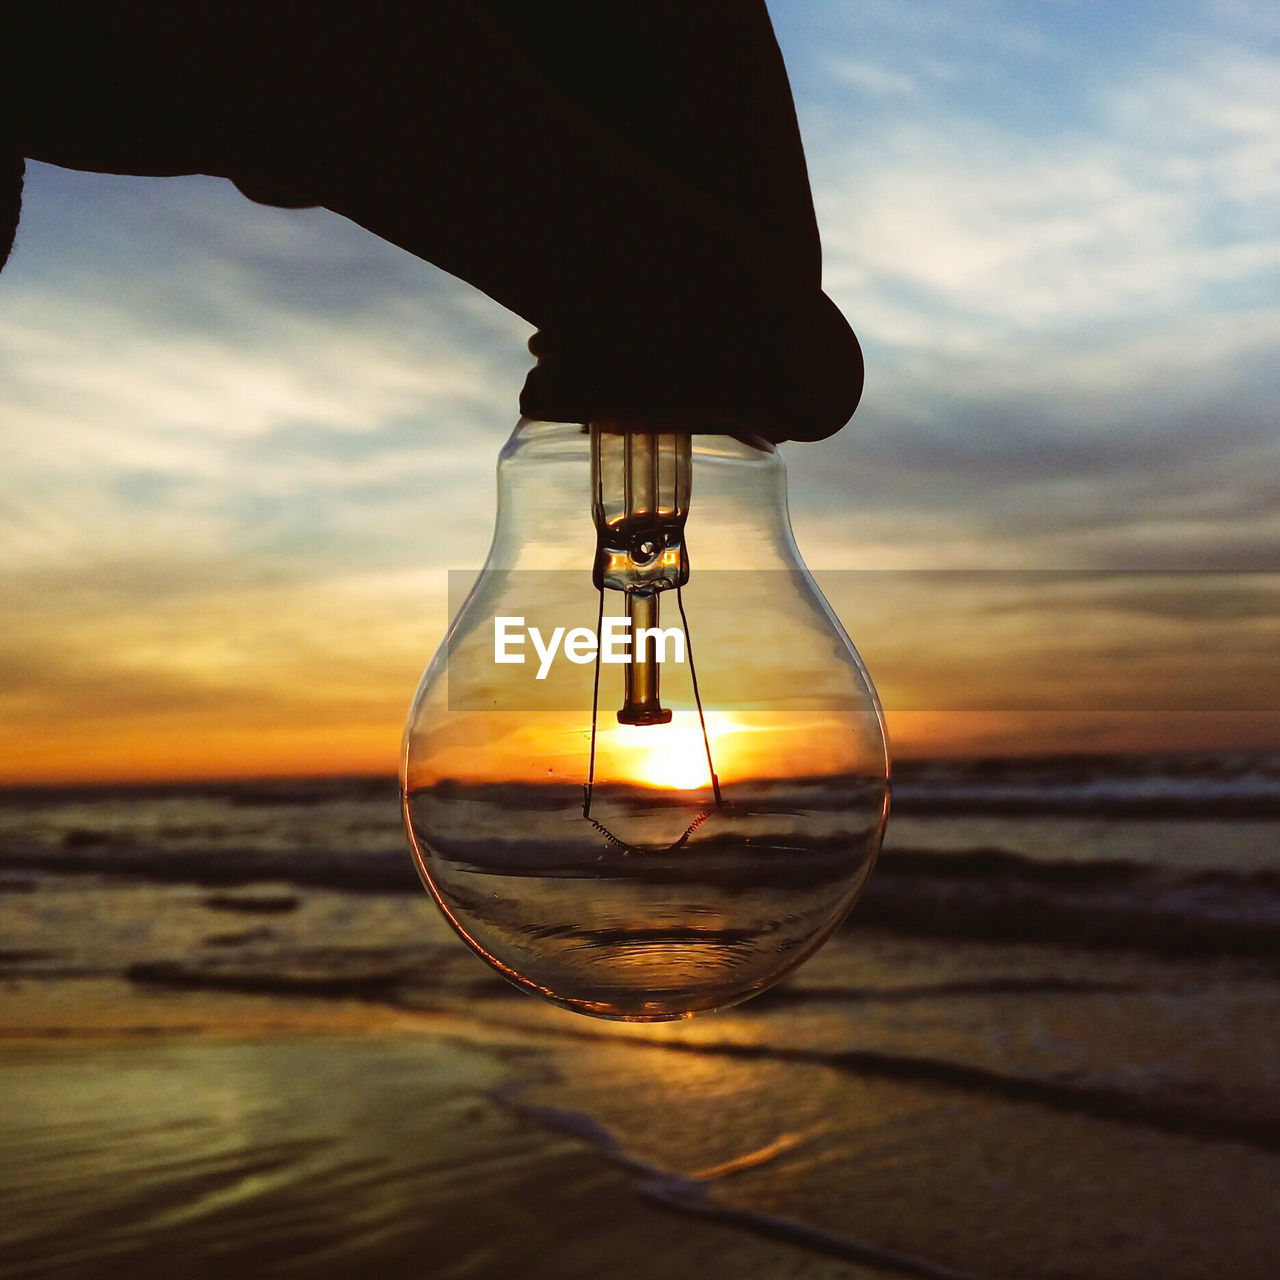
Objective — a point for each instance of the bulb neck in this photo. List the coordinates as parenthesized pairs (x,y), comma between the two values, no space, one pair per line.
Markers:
(640,483)
(734,494)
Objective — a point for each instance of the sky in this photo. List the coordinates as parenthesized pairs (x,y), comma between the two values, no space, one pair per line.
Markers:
(243,446)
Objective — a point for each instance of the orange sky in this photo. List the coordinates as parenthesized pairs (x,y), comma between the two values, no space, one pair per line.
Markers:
(243,447)
(315,680)
(140,752)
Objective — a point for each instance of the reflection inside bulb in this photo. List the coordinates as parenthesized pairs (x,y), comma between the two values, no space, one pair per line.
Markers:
(672,756)
(650,840)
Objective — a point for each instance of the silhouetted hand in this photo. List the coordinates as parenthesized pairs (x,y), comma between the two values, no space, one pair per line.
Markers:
(627,176)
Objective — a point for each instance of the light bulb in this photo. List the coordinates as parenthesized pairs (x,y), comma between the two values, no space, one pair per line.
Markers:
(644,830)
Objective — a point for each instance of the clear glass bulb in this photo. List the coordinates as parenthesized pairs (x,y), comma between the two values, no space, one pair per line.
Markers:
(648,838)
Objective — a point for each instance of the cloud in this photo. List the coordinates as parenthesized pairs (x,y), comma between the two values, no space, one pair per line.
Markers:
(1073,329)
(242,447)
(262,384)
(872,79)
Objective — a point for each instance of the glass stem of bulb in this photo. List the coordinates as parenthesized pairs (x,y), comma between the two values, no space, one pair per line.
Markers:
(641,483)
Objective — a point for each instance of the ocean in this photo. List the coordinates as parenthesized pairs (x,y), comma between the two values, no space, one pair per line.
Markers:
(237,1032)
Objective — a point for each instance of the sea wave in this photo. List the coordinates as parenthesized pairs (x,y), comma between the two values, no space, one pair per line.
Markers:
(1003,882)
(987,894)
(1164,785)
(1000,897)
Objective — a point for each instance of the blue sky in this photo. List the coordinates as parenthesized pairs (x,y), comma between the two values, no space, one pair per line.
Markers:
(243,445)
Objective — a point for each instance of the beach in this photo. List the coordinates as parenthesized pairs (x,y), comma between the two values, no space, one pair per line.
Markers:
(236,1035)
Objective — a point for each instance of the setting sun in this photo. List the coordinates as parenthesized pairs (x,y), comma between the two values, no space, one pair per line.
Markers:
(672,756)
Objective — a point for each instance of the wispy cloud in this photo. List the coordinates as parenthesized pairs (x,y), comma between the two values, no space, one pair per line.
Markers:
(872,79)
(1072,326)
(184,407)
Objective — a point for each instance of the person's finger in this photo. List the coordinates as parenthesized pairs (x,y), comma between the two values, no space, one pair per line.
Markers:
(699,89)
(11,170)
(702,91)
(277,197)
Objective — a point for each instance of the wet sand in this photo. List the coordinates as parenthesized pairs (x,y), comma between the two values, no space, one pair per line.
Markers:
(340,1156)
(988,1124)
